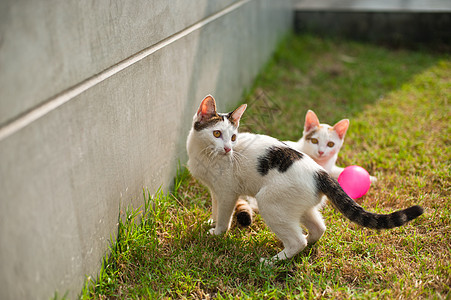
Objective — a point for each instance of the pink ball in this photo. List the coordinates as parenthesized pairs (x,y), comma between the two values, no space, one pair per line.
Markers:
(355,181)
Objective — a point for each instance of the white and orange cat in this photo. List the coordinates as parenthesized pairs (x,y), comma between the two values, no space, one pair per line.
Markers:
(287,184)
(323,142)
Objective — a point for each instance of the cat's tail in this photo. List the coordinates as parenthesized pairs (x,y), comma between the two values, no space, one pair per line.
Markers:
(354,212)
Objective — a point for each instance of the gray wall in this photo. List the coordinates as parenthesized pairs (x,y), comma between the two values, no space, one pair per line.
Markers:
(96,99)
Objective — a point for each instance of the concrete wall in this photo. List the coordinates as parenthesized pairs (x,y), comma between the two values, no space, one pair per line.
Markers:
(405,23)
(96,99)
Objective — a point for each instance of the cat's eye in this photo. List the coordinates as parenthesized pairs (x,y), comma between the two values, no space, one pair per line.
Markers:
(330,144)
(217,133)
(233,137)
(314,141)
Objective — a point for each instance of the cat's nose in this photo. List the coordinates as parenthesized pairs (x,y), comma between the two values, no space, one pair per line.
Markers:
(320,153)
(227,149)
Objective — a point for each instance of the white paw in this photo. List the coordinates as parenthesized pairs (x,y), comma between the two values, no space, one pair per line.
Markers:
(268,262)
(210,222)
(373,179)
(216,231)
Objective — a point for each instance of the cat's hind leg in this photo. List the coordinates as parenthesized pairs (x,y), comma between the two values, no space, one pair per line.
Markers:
(314,223)
(287,228)
(243,212)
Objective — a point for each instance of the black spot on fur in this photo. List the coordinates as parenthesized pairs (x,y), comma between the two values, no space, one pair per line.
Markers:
(366,221)
(229,117)
(277,157)
(413,212)
(384,223)
(201,125)
(309,135)
(243,213)
(397,218)
(244,218)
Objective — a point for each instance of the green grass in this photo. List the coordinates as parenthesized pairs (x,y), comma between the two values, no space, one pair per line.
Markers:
(398,104)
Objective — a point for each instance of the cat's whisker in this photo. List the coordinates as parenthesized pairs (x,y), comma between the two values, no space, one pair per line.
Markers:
(235,163)
(208,152)
(239,155)
(205,150)
(237,159)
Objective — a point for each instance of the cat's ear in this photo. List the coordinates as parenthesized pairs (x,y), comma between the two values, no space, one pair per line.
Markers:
(341,127)
(311,121)
(207,108)
(235,116)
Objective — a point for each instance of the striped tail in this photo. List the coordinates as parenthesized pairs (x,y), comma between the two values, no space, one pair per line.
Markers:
(354,212)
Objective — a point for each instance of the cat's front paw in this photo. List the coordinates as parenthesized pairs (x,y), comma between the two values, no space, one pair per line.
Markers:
(214,231)
(211,222)
(267,262)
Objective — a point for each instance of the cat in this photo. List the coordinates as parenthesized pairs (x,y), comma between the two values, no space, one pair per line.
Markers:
(321,142)
(287,184)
